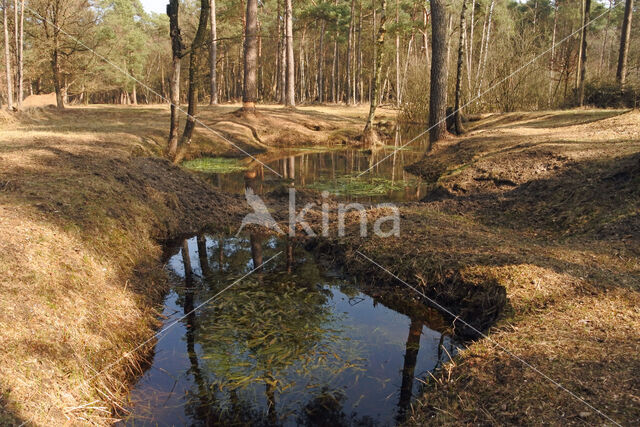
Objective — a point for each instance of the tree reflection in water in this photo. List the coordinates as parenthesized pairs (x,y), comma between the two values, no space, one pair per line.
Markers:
(280,346)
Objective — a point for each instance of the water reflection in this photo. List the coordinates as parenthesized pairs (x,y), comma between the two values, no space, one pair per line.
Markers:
(291,345)
(337,172)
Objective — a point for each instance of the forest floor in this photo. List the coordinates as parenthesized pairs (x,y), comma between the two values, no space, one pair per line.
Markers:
(538,211)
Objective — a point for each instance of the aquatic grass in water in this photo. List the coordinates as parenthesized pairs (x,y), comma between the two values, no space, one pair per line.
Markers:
(353,185)
(216,165)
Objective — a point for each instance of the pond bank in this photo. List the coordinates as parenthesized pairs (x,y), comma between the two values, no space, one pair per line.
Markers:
(84,204)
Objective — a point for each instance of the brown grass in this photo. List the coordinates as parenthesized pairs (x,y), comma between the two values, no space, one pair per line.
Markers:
(82,211)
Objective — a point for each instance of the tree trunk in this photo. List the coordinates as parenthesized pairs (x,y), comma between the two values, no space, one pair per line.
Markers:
(334,71)
(134,95)
(369,134)
(213,58)
(174,85)
(583,66)
(350,53)
(457,112)
(20,54)
(484,55)
(290,93)
(621,73)
(552,59)
(8,59)
(194,56)
(398,54)
(250,57)
(359,73)
(321,64)
(439,68)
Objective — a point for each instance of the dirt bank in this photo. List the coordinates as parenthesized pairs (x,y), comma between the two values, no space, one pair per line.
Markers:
(82,212)
(545,206)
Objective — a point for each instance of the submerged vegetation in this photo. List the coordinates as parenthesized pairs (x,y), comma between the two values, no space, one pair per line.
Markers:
(354,185)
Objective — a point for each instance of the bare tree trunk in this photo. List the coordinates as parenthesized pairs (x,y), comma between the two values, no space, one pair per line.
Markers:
(283,61)
(290,91)
(250,57)
(470,44)
(457,112)
(194,56)
(397,53)
(279,86)
(621,73)
(20,54)
(334,71)
(213,58)
(583,67)
(579,67)
(359,73)
(321,64)
(483,59)
(439,68)
(369,134)
(605,39)
(8,59)
(552,59)
(174,86)
(350,53)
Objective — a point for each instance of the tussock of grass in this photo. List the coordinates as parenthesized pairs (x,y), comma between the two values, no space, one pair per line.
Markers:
(216,165)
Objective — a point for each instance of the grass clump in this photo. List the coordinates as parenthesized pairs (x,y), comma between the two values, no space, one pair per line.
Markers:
(216,165)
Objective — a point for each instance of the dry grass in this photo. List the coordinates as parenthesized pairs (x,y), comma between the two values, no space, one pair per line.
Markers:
(82,211)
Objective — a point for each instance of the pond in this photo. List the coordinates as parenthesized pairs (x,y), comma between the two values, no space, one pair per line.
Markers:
(338,170)
(293,343)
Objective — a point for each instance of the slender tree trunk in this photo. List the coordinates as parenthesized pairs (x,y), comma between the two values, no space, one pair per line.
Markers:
(369,134)
(605,39)
(290,92)
(350,53)
(283,61)
(359,73)
(621,73)
(250,57)
(321,64)
(579,67)
(552,59)
(197,47)
(279,62)
(439,69)
(470,44)
(20,54)
(174,86)
(7,55)
(583,69)
(398,54)
(483,59)
(134,95)
(334,71)
(213,58)
(457,112)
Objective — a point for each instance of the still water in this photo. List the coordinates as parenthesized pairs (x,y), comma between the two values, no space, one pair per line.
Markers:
(294,343)
(339,171)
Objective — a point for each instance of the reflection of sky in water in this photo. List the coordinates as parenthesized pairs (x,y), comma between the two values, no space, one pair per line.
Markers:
(366,336)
